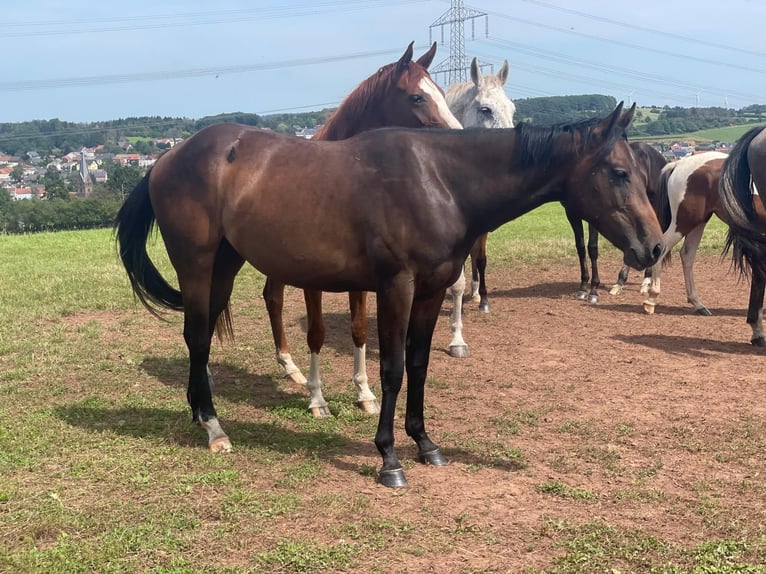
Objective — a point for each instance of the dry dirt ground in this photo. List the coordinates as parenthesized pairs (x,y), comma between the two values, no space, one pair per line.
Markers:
(569,414)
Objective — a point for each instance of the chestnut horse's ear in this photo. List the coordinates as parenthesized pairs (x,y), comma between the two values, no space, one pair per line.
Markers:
(627,117)
(405,60)
(426,59)
(475,72)
(502,75)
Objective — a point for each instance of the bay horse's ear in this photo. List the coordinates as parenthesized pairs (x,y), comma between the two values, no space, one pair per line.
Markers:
(475,72)
(627,117)
(502,75)
(604,127)
(404,61)
(426,59)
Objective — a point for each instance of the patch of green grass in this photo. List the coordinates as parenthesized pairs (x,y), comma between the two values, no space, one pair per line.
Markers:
(306,556)
(562,490)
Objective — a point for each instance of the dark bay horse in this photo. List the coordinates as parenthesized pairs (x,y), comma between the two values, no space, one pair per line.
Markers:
(687,197)
(743,174)
(394,211)
(398,94)
(650,162)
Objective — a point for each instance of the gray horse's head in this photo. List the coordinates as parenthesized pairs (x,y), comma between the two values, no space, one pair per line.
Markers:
(482,102)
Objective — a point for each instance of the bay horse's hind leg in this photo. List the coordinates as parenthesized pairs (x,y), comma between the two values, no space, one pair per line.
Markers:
(206,288)
(755,309)
(366,400)
(479,273)
(457,347)
(315,338)
(273,295)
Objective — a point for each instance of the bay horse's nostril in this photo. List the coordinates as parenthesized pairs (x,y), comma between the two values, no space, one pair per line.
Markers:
(657,251)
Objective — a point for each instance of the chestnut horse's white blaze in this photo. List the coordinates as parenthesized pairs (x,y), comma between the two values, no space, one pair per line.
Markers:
(428,87)
(481,103)
(687,182)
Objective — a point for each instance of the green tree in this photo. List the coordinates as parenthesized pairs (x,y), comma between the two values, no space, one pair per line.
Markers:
(55,188)
(17,173)
(123,178)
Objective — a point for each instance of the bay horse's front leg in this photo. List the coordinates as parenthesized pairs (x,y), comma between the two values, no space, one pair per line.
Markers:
(579,235)
(595,281)
(457,347)
(273,296)
(315,338)
(366,400)
(423,317)
(479,273)
(394,302)
(755,309)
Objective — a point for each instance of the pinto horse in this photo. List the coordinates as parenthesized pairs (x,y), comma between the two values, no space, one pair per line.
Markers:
(650,162)
(394,211)
(399,94)
(687,198)
(742,175)
(482,103)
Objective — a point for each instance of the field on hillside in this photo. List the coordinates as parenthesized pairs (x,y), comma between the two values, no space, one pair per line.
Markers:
(581,438)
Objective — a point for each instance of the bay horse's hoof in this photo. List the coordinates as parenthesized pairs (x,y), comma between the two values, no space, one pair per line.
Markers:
(320,412)
(704,311)
(484,307)
(581,295)
(593,299)
(759,341)
(434,457)
(615,290)
(297,377)
(370,407)
(458,351)
(393,478)
(649,308)
(220,444)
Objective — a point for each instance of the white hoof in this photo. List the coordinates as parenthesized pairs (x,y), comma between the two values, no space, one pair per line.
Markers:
(616,290)
(458,351)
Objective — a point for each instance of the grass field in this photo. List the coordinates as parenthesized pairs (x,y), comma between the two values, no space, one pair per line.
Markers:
(99,473)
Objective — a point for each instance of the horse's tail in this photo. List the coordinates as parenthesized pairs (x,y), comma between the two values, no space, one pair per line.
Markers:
(132,226)
(747,244)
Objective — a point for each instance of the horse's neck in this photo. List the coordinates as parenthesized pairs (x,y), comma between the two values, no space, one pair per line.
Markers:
(489,182)
(345,124)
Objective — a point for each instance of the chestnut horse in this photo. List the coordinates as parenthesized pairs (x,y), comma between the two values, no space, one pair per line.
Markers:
(482,103)
(394,211)
(687,198)
(399,94)
(650,162)
(743,174)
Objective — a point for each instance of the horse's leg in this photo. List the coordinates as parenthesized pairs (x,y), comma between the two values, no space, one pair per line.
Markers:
(755,309)
(423,317)
(357,304)
(576,225)
(647,280)
(315,338)
(593,254)
(670,239)
(688,255)
(273,295)
(457,347)
(479,272)
(394,302)
(622,278)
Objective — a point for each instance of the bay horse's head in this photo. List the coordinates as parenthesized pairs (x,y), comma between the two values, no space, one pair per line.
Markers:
(608,188)
(482,102)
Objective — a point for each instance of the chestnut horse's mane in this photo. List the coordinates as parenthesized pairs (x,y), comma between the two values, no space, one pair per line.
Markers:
(345,121)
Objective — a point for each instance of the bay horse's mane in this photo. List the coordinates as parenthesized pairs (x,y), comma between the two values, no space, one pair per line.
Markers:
(537,142)
(345,120)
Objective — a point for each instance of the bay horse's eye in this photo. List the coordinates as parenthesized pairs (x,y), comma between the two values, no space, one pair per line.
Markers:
(417,99)
(487,111)
(620,175)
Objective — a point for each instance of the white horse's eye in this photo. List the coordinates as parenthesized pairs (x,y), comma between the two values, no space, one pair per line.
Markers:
(486,110)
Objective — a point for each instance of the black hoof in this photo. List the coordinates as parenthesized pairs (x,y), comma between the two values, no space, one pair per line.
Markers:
(393,478)
(434,457)
(484,307)
(581,295)
(704,311)
(759,341)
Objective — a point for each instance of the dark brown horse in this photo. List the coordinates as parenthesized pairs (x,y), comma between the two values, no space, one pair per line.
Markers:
(743,182)
(650,163)
(399,94)
(394,211)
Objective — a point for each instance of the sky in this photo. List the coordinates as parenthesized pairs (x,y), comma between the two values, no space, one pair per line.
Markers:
(91,61)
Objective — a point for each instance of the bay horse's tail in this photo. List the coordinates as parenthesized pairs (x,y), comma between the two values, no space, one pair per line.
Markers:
(132,226)
(744,239)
